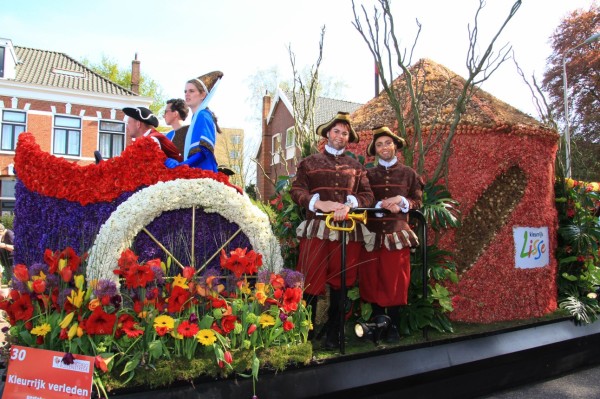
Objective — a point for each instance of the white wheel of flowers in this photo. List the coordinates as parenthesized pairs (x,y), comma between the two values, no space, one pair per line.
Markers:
(124,224)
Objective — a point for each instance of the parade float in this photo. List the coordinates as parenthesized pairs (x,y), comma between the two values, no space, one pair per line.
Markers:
(169,282)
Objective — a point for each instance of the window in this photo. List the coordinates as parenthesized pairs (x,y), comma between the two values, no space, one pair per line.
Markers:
(13,124)
(2,62)
(7,195)
(67,135)
(236,139)
(289,137)
(290,143)
(112,138)
(276,148)
(233,154)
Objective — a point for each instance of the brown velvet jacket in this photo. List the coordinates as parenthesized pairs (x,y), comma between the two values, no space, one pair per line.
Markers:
(392,230)
(333,178)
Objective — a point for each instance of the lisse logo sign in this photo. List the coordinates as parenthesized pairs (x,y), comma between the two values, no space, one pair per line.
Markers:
(531,247)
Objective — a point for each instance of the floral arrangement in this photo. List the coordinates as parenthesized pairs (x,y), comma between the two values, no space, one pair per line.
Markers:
(578,253)
(215,315)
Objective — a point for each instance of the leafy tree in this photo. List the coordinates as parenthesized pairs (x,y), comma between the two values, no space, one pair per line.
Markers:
(109,69)
(583,72)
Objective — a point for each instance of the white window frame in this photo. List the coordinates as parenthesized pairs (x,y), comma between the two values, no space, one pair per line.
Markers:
(290,143)
(236,139)
(68,130)
(233,154)
(276,149)
(14,135)
(112,134)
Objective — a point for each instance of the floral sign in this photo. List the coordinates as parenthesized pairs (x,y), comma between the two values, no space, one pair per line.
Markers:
(531,247)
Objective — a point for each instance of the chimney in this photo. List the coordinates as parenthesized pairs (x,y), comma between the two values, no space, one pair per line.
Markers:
(135,75)
(265,111)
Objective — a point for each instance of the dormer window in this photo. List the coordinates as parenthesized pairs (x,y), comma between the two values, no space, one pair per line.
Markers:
(66,72)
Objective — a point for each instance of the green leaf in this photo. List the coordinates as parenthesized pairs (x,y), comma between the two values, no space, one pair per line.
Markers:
(132,364)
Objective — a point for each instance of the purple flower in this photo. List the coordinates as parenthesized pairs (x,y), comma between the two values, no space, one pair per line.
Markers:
(36,268)
(264,276)
(159,276)
(68,358)
(282,316)
(193,318)
(292,278)
(105,288)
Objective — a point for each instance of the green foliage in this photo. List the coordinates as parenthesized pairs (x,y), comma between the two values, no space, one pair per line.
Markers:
(577,251)
(440,210)
(288,216)
(7,220)
(109,69)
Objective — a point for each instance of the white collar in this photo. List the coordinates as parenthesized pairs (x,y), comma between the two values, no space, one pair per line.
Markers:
(388,164)
(333,151)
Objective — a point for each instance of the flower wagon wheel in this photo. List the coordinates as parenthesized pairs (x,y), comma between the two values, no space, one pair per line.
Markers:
(131,217)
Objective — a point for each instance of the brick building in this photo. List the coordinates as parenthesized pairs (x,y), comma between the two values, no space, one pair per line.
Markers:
(71,110)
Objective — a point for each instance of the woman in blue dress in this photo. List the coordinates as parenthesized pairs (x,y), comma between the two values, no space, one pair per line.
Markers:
(200,140)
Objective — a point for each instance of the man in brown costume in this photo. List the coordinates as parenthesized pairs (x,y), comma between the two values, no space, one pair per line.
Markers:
(330,182)
(385,272)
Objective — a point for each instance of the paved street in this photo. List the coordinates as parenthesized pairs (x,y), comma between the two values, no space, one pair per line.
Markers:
(579,384)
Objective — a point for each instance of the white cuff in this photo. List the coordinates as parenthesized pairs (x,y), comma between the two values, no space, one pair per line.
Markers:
(378,214)
(313,201)
(404,205)
(352,199)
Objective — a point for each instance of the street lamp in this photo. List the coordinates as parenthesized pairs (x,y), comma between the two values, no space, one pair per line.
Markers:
(591,39)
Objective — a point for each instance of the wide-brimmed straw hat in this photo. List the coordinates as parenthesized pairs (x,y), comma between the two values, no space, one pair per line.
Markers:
(384,131)
(141,114)
(208,80)
(340,117)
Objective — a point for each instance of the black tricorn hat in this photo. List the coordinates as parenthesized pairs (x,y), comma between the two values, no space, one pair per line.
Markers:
(340,117)
(141,114)
(384,131)
(226,170)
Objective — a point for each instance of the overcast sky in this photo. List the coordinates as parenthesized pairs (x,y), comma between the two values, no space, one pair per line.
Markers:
(177,40)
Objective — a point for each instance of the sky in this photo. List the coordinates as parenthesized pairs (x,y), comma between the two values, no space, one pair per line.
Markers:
(177,40)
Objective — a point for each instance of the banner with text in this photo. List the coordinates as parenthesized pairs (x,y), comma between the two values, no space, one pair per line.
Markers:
(37,373)
(531,247)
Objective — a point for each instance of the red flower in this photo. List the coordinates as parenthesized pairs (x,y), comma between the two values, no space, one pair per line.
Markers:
(161,331)
(251,329)
(277,281)
(291,297)
(178,300)
(22,309)
(138,276)
(100,363)
(39,286)
(215,327)
(228,357)
(21,273)
(228,323)
(128,326)
(288,325)
(187,329)
(217,302)
(126,261)
(100,322)
(53,259)
(188,272)
(240,261)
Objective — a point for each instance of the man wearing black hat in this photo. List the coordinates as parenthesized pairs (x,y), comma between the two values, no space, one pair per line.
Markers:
(385,272)
(142,123)
(330,182)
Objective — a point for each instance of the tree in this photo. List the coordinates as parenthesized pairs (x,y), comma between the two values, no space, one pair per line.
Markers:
(378,32)
(583,72)
(109,69)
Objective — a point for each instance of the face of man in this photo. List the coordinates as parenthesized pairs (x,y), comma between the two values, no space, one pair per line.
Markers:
(385,148)
(338,136)
(133,128)
(193,97)
(170,115)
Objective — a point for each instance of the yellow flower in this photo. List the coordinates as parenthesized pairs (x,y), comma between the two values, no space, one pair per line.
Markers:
(245,288)
(266,320)
(79,280)
(80,332)
(260,294)
(73,331)
(206,337)
(67,320)
(180,281)
(164,321)
(176,335)
(76,299)
(61,264)
(41,330)
(42,276)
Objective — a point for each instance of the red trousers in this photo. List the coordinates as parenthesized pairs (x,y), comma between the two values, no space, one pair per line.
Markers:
(384,276)
(321,263)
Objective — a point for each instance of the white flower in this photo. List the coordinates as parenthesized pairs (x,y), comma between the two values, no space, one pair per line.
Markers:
(124,224)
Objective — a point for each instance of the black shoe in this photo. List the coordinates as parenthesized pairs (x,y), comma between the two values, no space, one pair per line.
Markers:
(392,335)
(333,338)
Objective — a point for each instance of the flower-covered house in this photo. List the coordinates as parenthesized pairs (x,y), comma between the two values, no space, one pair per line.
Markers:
(501,170)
